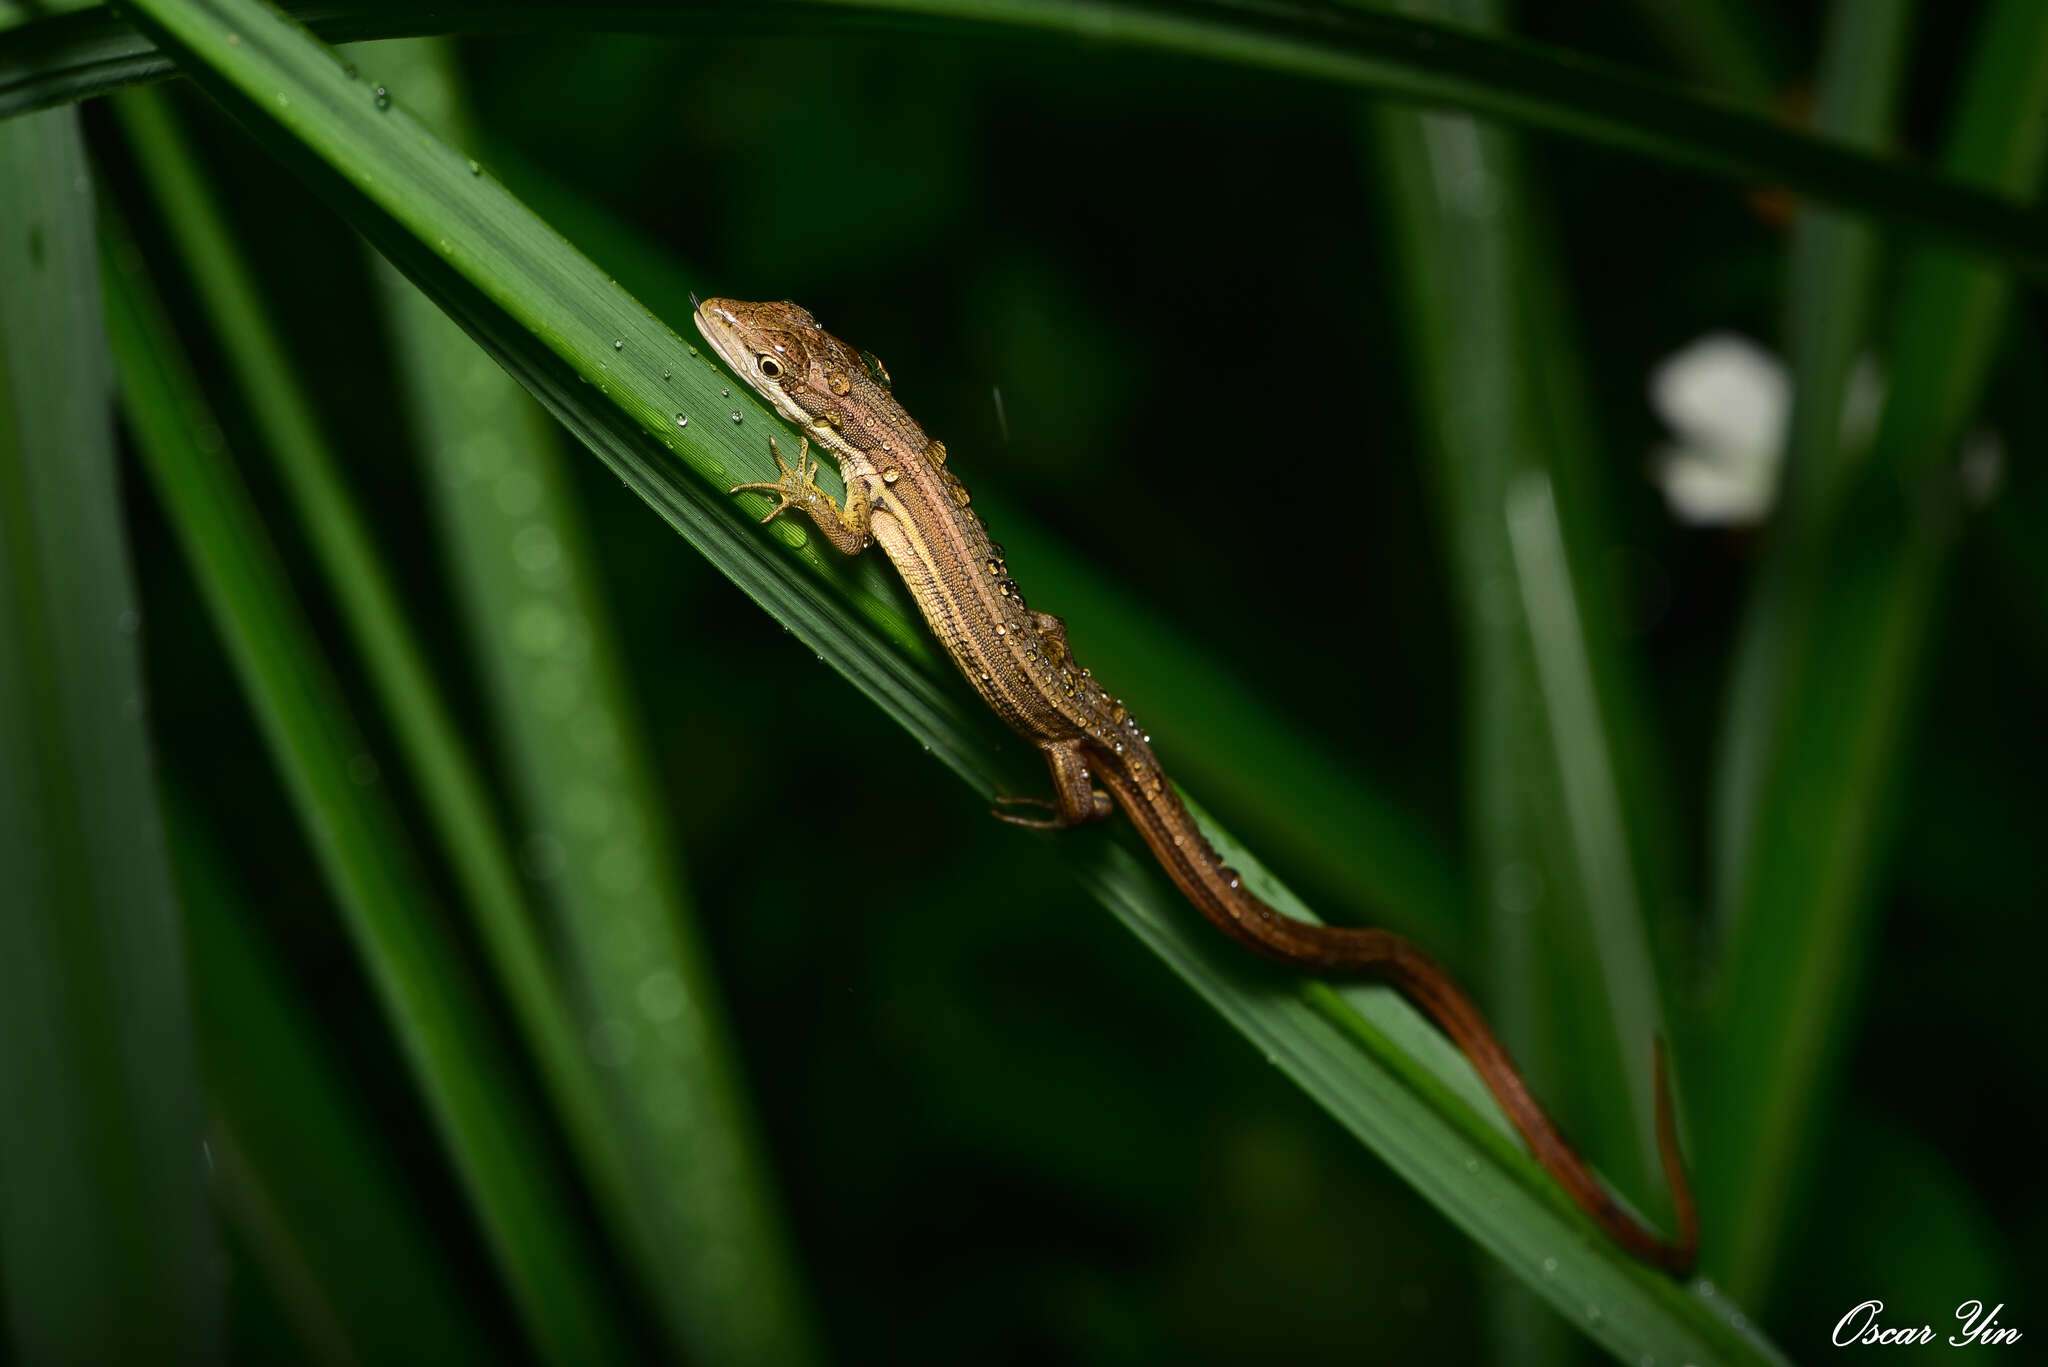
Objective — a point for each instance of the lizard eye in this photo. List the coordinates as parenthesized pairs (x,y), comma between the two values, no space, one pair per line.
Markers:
(771,367)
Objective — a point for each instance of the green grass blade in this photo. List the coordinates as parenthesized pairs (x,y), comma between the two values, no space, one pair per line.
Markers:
(1371,51)
(106,1248)
(615,375)
(56,53)
(1558,865)
(1831,290)
(1801,919)
(717,1262)
(437,758)
(1560,876)
(1462,325)
(1728,46)
(1620,1003)
(301,1170)
(495,1139)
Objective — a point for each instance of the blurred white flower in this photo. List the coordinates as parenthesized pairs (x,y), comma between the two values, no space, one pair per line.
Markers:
(1726,400)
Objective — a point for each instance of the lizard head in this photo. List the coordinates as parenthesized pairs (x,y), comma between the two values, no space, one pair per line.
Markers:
(808,375)
(779,350)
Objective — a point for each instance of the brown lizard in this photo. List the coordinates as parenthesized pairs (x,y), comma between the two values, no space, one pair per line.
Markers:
(900,492)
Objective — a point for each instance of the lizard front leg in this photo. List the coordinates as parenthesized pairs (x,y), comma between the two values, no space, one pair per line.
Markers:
(845,528)
(1075,798)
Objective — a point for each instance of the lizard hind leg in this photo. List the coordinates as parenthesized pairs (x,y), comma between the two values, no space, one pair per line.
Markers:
(1075,801)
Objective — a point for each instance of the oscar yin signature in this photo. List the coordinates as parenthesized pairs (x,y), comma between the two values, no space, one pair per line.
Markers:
(1860,1328)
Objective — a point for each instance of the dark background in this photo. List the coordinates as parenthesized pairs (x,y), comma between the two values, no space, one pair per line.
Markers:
(1004,1132)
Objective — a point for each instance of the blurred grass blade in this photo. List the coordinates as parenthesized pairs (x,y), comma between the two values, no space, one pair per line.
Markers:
(1464,335)
(437,759)
(1801,922)
(718,1262)
(613,374)
(495,1140)
(1367,50)
(1831,288)
(56,51)
(1559,874)
(300,1168)
(1559,871)
(1732,47)
(1587,782)
(106,1249)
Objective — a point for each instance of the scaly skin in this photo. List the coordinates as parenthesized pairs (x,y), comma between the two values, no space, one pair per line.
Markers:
(899,492)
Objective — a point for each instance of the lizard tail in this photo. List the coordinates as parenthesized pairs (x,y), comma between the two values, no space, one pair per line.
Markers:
(1216,890)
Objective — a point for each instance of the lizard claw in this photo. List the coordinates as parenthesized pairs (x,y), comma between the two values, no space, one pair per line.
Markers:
(796,486)
(1055,822)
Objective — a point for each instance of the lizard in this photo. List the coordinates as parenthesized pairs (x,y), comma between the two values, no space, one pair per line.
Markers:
(901,492)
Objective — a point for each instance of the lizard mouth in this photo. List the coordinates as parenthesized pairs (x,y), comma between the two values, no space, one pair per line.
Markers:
(721,329)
